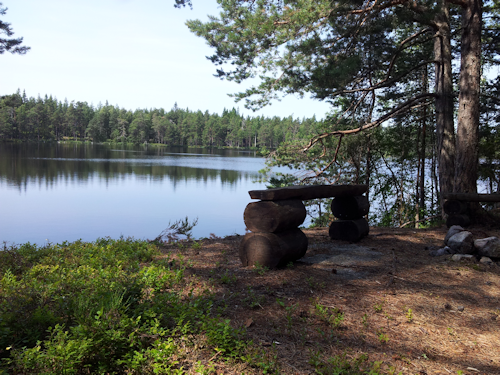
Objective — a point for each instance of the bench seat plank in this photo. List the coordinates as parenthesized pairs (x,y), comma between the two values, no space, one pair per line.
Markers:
(308,192)
(473,197)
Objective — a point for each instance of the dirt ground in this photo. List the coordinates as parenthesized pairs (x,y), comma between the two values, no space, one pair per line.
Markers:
(416,313)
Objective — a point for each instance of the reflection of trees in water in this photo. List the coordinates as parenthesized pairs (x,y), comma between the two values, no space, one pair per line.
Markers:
(21,165)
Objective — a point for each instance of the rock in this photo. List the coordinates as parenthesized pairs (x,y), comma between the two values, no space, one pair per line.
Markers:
(459,257)
(486,260)
(444,251)
(462,243)
(488,247)
(452,231)
(460,308)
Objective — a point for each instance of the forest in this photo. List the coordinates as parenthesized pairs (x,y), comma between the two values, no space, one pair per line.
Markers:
(47,119)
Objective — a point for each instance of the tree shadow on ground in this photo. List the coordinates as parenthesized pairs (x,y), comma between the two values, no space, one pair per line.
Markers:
(418,313)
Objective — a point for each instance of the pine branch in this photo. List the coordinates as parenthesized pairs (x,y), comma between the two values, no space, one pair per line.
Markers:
(395,111)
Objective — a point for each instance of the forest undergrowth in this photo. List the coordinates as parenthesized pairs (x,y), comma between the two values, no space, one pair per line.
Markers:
(129,306)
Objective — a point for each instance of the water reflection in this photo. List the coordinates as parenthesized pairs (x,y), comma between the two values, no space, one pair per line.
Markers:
(60,192)
(22,165)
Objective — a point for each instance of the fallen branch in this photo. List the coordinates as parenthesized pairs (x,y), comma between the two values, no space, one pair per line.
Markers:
(419,221)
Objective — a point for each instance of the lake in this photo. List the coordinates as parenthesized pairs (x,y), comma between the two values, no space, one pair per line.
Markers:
(64,192)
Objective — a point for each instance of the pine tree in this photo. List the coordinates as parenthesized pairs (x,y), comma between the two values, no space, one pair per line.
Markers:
(12,45)
(362,57)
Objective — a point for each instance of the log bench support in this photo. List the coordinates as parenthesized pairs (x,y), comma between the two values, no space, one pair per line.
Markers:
(351,226)
(455,206)
(276,239)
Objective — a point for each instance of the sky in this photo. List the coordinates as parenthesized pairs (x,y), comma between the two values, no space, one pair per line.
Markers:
(131,53)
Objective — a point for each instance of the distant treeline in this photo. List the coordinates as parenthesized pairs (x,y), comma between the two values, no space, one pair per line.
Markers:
(47,119)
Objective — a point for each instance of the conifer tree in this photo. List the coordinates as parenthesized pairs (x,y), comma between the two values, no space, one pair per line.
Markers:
(362,57)
(12,45)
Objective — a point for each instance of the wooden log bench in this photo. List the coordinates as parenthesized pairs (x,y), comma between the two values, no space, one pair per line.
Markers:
(455,206)
(274,221)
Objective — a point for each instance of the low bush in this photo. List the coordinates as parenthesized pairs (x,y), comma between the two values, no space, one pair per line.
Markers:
(111,306)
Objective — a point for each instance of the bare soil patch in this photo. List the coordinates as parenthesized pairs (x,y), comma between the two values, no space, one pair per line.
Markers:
(417,313)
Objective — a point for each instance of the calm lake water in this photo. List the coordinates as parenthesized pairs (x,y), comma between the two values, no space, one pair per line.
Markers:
(65,192)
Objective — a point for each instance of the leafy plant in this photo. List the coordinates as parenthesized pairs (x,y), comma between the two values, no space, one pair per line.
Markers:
(289,312)
(409,315)
(260,269)
(315,285)
(364,320)
(342,365)
(252,299)
(332,316)
(379,306)
(382,337)
(266,360)
(204,370)
(227,278)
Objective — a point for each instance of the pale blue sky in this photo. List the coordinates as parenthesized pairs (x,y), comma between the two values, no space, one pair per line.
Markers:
(136,54)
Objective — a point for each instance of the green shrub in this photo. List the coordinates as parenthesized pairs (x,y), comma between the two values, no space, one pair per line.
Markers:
(342,365)
(104,307)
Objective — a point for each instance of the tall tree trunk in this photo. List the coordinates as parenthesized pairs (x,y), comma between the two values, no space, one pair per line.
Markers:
(368,166)
(420,186)
(423,145)
(444,102)
(467,142)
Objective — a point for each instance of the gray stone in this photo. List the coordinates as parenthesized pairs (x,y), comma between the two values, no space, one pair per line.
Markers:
(344,255)
(355,257)
(487,261)
(459,257)
(444,251)
(488,247)
(462,243)
(454,229)
(351,274)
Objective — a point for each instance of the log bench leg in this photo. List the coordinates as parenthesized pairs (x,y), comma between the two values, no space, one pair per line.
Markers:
(462,220)
(273,249)
(349,230)
(276,240)
(457,213)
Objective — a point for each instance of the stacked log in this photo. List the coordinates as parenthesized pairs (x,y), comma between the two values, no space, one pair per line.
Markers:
(351,225)
(276,239)
(457,212)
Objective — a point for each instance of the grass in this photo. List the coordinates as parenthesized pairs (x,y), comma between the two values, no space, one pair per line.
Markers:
(112,306)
